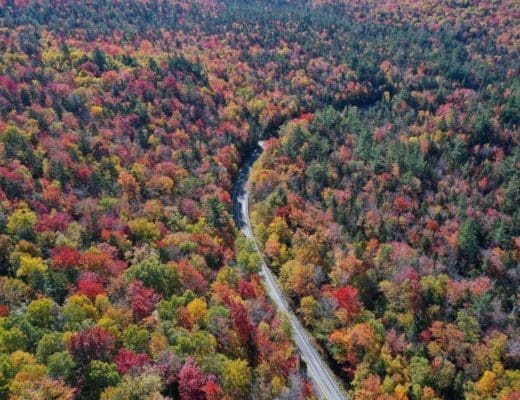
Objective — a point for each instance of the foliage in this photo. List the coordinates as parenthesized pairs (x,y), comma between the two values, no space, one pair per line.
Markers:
(386,198)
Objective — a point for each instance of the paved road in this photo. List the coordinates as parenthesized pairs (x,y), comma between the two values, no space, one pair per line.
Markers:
(324,380)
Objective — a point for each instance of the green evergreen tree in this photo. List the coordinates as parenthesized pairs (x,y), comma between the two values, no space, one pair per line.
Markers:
(468,237)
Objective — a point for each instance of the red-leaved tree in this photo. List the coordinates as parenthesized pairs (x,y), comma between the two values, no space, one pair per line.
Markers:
(92,344)
(90,284)
(347,298)
(128,359)
(143,299)
(191,381)
(65,257)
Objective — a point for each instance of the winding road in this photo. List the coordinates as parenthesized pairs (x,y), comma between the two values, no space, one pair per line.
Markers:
(324,380)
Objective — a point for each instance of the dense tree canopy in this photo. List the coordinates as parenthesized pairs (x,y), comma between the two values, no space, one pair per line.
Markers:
(386,199)
(400,250)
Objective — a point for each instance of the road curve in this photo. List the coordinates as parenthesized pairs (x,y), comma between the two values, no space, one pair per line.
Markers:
(324,380)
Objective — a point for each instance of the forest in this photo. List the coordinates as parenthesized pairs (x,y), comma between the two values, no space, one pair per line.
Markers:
(386,199)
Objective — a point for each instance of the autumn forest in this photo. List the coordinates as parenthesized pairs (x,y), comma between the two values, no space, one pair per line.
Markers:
(385,201)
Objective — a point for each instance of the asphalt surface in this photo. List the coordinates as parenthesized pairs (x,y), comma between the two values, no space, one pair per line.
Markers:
(324,380)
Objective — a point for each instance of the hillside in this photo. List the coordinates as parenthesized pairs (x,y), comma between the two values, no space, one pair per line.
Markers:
(386,199)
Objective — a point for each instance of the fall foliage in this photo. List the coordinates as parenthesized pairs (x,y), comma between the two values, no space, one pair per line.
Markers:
(386,199)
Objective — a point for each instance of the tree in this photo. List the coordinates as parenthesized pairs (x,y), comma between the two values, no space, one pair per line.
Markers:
(198,309)
(359,338)
(15,141)
(299,279)
(450,339)
(191,278)
(487,383)
(195,343)
(41,312)
(482,128)
(241,321)
(92,344)
(276,251)
(347,298)
(127,360)
(444,372)
(99,58)
(146,385)
(468,237)
(144,230)
(309,308)
(216,212)
(33,269)
(100,375)
(248,259)
(156,275)
(21,223)
(191,381)
(420,372)
(24,386)
(76,310)
(469,325)
(371,389)
(61,365)
(12,339)
(317,172)
(129,184)
(90,284)
(143,299)
(65,257)
(212,391)
(236,377)
(135,338)
(49,344)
